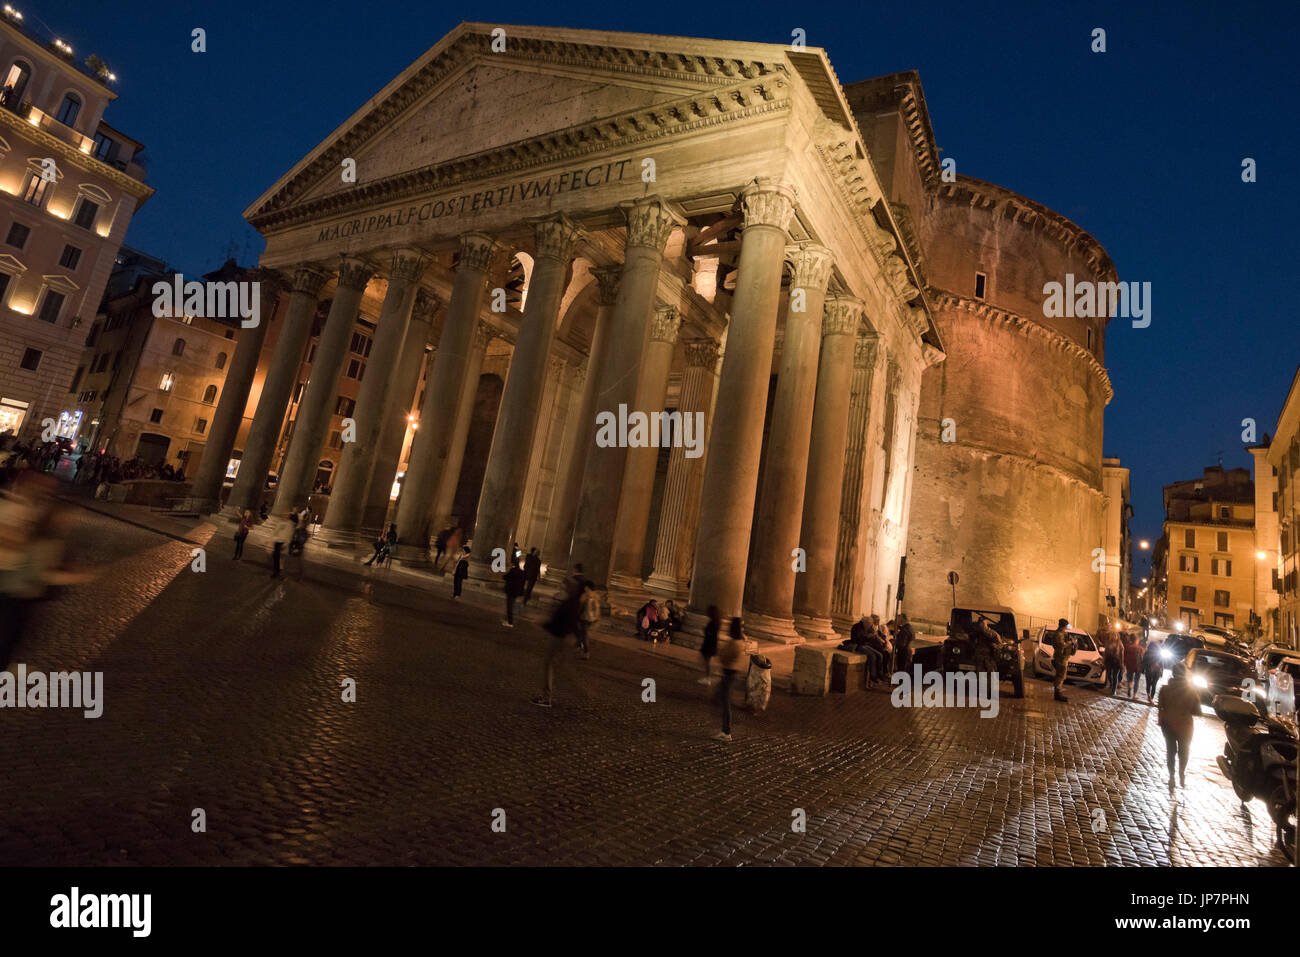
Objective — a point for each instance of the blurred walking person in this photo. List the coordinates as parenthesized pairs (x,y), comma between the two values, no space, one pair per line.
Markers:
(709,648)
(241,533)
(731,654)
(1179,705)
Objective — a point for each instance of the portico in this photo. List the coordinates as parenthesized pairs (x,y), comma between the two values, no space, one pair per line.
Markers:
(663,226)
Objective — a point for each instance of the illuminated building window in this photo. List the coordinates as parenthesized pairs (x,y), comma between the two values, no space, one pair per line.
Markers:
(12,413)
(168,380)
(16,84)
(37,190)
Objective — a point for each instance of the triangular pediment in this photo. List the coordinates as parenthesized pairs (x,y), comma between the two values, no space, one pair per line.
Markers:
(463,98)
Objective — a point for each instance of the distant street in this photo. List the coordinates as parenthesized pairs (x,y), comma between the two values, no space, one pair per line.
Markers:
(222,692)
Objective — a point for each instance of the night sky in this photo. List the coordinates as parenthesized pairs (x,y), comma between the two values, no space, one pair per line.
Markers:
(1141,146)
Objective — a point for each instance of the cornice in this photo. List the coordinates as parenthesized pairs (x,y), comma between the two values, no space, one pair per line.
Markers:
(1020,209)
(1027,462)
(51,144)
(1028,328)
(713,71)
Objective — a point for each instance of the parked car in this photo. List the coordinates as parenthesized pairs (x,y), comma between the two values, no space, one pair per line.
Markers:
(1272,654)
(1277,693)
(1084,665)
(1213,672)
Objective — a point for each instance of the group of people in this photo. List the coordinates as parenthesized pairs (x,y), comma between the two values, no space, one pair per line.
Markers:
(100,468)
(887,645)
(656,623)
(18,457)
(1130,658)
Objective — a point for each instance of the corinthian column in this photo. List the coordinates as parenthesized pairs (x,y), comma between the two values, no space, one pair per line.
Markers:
(449,476)
(736,437)
(559,536)
(639,470)
(348,497)
(857,478)
(442,389)
(269,417)
(400,401)
(206,490)
(680,510)
(821,504)
(649,223)
(512,440)
(320,396)
(780,504)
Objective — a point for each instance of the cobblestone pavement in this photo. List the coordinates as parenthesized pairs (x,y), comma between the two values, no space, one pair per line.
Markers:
(222,692)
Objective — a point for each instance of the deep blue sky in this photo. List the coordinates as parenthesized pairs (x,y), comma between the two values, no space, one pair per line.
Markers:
(1141,146)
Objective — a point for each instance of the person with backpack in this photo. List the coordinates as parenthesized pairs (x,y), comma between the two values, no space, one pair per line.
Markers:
(1132,666)
(564,622)
(514,588)
(730,656)
(462,572)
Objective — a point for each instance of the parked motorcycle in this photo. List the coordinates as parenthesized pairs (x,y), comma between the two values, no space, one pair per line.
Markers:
(1259,759)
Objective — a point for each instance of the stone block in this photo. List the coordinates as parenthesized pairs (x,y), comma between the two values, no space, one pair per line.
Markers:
(812,670)
(848,672)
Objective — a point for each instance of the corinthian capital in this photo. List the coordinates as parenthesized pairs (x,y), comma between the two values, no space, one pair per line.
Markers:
(408,265)
(607,277)
(702,354)
(476,252)
(664,323)
(650,222)
(812,266)
(865,350)
(426,304)
(354,273)
(841,316)
(768,203)
(555,237)
(308,280)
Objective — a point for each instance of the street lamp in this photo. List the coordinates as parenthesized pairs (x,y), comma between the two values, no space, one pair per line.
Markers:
(1144,544)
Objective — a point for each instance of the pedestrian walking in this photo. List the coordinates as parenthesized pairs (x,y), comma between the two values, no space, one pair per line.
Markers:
(1152,668)
(532,572)
(1132,666)
(241,533)
(564,622)
(588,615)
(1179,705)
(514,587)
(709,648)
(462,572)
(730,655)
(575,580)
(1113,662)
(276,550)
(440,544)
(1063,648)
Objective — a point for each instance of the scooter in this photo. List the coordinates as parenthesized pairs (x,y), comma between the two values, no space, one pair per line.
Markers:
(1259,759)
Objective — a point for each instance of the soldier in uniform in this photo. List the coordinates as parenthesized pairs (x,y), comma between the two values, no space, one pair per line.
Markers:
(1060,658)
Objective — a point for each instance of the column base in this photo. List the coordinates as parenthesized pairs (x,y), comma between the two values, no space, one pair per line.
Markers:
(412,556)
(626,594)
(661,586)
(341,538)
(691,634)
(770,628)
(815,629)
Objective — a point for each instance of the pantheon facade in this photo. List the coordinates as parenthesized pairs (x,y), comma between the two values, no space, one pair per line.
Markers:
(574,223)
